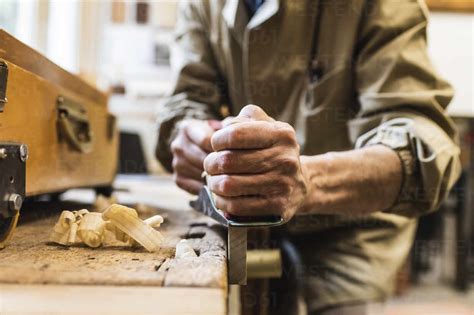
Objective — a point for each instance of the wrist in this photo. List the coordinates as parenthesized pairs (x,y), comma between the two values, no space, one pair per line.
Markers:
(356,181)
(313,169)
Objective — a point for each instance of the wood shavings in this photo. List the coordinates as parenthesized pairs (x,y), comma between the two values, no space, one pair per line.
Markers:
(184,249)
(62,229)
(65,230)
(126,219)
(82,226)
(143,208)
(91,230)
(154,221)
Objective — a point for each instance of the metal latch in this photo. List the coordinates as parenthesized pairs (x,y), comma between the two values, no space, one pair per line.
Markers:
(74,125)
(3,84)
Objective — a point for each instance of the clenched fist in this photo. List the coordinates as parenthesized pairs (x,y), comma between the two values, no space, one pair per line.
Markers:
(255,169)
(190,147)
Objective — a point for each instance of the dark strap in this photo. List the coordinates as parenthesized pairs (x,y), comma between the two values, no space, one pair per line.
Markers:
(315,67)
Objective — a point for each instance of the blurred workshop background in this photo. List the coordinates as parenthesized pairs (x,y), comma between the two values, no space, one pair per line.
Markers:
(123,48)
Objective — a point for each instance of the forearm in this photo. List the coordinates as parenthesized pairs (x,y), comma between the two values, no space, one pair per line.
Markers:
(351,182)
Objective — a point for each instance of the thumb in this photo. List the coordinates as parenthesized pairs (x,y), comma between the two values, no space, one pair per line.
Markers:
(253,112)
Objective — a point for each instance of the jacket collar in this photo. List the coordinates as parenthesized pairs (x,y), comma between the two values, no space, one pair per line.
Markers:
(237,19)
(268,9)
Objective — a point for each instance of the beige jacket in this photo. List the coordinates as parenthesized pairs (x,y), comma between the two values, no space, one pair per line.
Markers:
(372,82)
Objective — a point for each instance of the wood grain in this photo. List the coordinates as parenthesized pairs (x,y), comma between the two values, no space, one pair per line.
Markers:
(30,259)
(109,300)
(30,117)
(29,59)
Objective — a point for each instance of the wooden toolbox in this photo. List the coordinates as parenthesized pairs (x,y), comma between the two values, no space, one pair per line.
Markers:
(55,131)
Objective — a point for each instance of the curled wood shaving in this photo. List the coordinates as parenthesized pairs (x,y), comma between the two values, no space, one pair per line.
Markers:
(126,220)
(65,230)
(120,235)
(91,230)
(62,229)
(154,221)
(184,249)
(89,227)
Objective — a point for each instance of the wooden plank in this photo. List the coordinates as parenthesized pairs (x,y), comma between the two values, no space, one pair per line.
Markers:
(30,259)
(105,300)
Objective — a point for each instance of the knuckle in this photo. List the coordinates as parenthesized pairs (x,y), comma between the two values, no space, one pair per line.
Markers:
(251,109)
(225,161)
(234,135)
(183,125)
(285,186)
(176,146)
(204,142)
(286,133)
(226,185)
(175,164)
(237,134)
(210,162)
(279,205)
(178,180)
(289,165)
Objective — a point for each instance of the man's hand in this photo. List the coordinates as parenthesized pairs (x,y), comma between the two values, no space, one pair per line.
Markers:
(255,169)
(190,147)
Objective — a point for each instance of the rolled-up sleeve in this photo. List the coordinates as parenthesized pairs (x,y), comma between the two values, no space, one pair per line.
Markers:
(402,104)
(198,86)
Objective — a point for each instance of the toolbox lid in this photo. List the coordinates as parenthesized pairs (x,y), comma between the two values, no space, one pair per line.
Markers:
(14,51)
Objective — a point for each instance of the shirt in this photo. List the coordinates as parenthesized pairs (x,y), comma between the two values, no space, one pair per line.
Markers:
(375,85)
(253,5)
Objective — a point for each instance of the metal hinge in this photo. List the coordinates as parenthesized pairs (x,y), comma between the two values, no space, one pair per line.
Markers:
(3,84)
(13,158)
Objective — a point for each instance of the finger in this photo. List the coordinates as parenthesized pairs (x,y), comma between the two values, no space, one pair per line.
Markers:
(245,135)
(248,113)
(190,185)
(249,205)
(215,124)
(253,135)
(254,112)
(228,121)
(241,161)
(183,147)
(199,133)
(243,185)
(184,168)
(234,120)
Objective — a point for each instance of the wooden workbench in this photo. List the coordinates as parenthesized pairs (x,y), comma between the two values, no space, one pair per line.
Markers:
(37,277)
